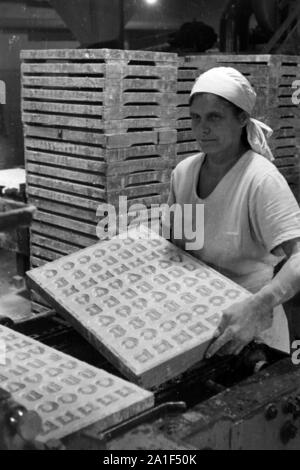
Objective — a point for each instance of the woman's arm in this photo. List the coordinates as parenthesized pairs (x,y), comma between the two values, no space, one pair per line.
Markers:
(286,284)
(244,320)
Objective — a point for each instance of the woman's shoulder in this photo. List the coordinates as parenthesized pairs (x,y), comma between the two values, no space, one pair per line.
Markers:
(260,168)
(263,179)
(188,165)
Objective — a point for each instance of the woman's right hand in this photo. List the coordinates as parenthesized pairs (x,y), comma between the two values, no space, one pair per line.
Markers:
(240,324)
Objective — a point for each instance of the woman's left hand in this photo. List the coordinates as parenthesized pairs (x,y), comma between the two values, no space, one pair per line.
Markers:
(240,324)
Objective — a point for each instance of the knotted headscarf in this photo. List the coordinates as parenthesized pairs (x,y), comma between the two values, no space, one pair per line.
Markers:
(230,84)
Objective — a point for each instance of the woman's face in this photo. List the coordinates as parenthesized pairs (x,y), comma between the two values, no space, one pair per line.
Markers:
(215,124)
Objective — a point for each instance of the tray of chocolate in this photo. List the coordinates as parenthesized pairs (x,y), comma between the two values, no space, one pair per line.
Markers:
(68,394)
(148,306)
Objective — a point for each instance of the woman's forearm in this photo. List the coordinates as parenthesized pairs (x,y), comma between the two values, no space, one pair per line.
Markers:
(284,286)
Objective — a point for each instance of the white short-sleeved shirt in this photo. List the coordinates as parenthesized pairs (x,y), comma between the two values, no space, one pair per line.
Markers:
(250,212)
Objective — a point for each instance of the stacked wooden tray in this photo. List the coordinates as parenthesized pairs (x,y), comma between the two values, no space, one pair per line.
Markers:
(186,143)
(272,78)
(98,124)
(285,120)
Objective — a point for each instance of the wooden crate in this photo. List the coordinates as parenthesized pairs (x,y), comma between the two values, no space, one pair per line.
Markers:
(104,90)
(97,124)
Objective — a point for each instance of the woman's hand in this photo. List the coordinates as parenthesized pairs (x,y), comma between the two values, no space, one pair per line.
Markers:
(240,324)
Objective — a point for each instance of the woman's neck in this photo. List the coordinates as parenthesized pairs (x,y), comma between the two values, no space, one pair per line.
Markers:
(221,162)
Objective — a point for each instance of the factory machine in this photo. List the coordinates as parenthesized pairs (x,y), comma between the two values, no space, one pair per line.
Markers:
(247,402)
(251,401)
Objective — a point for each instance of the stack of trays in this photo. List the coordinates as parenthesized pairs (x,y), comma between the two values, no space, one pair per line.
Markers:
(285,119)
(98,124)
(186,143)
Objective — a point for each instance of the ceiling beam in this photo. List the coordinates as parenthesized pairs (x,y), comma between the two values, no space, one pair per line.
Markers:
(30,3)
(15,16)
(293,16)
(17,24)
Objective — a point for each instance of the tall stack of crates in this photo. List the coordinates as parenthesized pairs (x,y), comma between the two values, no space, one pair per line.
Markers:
(273,78)
(284,117)
(98,124)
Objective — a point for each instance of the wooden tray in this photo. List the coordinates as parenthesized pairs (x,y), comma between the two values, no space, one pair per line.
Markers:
(68,394)
(148,306)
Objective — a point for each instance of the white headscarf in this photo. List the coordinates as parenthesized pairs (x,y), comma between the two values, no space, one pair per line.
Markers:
(230,84)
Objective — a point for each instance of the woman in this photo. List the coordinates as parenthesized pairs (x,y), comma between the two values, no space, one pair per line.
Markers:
(251,218)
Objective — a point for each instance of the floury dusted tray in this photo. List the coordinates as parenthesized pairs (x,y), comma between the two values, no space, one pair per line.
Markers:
(68,394)
(148,306)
